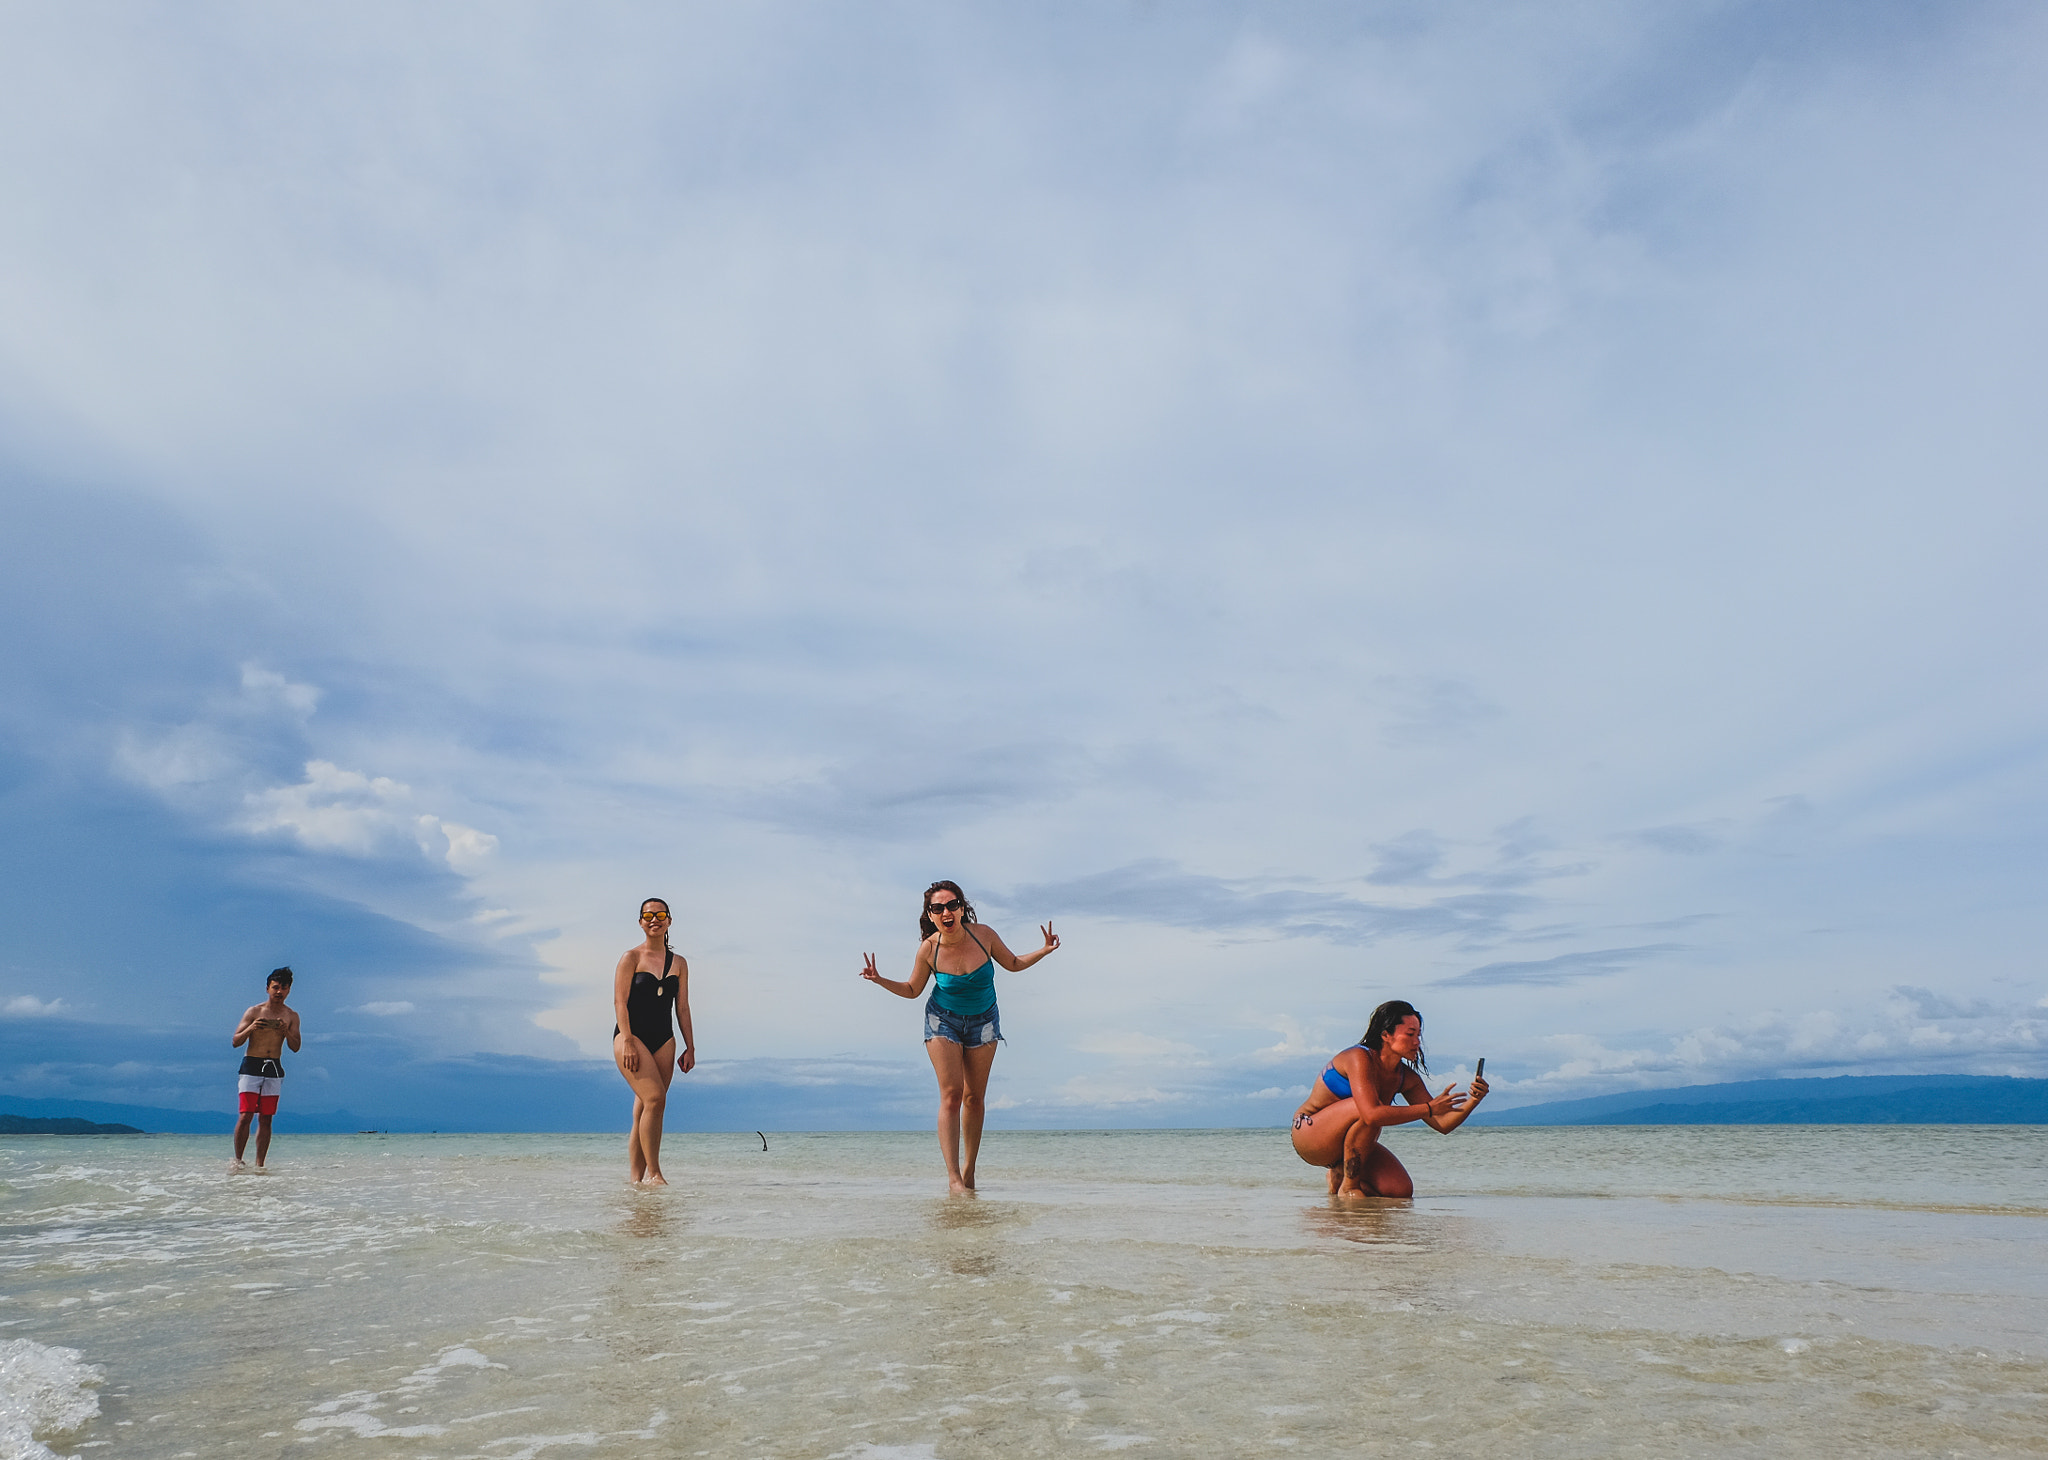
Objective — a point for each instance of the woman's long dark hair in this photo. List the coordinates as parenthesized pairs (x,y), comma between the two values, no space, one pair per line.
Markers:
(1387,1018)
(671,918)
(925,926)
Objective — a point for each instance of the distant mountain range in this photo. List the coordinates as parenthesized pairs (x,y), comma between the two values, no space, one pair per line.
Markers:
(60,1125)
(1839,1100)
(139,1119)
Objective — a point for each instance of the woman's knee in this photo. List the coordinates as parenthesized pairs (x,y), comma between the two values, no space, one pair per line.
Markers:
(1387,1176)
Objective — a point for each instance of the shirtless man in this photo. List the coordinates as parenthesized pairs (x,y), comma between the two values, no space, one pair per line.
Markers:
(268,1027)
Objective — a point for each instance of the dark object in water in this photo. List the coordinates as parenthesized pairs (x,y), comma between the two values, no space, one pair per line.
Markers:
(764,1140)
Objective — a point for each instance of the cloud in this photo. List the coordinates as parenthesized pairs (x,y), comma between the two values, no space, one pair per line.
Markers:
(1684,841)
(467,847)
(333,810)
(1546,972)
(904,789)
(1409,858)
(1899,1036)
(1133,1044)
(384,1008)
(336,810)
(28,1006)
(190,755)
(262,684)
(1094,1094)
(1926,1004)
(1421,710)
(1157,890)
(1220,506)
(1294,1046)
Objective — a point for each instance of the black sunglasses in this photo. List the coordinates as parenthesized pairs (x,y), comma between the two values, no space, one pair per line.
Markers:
(951,904)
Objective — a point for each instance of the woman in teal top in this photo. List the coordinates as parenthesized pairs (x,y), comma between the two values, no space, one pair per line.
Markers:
(961,1025)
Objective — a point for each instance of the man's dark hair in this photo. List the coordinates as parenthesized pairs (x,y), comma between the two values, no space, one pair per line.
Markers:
(279,975)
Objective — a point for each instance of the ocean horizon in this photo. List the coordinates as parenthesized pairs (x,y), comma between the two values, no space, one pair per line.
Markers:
(1815,1100)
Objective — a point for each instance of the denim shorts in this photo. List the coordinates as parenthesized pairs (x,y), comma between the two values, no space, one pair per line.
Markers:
(963,1029)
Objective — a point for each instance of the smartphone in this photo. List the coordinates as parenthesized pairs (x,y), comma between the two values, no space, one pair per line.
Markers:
(1480,1073)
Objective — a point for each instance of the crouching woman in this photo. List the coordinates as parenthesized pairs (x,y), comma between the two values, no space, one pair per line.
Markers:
(1338,1126)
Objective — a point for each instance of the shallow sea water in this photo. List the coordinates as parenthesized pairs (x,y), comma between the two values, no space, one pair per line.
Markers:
(1689,1291)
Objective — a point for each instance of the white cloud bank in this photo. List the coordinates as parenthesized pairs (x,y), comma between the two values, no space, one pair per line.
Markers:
(336,810)
(1525,510)
(28,1006)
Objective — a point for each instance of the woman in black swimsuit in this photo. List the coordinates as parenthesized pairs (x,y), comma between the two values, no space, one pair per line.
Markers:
(651,988)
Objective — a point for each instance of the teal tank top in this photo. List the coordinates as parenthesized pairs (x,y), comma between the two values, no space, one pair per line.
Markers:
(965,993)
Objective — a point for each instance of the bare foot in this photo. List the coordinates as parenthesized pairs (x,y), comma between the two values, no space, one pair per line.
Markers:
(654,1178)
(1348,1192)
(237,1166)
(956,1187)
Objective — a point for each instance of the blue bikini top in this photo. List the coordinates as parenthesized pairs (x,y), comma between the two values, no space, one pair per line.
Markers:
(1335,1080)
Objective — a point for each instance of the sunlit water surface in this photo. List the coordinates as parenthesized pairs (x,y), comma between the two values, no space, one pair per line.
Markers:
(1584,1292)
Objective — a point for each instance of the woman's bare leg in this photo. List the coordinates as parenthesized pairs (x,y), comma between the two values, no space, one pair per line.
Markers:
(949,1063)
(1370,1169)
(1386,1175)
(1359,1141)
(652,1112)
(1349,1148)
(650,1095)
(1319,1138)
(974,1106)
(636,1163)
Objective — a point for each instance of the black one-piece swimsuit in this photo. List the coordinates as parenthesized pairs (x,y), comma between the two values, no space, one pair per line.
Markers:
(651,1005)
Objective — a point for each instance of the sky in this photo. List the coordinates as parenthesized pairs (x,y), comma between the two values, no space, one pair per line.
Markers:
(1531,510)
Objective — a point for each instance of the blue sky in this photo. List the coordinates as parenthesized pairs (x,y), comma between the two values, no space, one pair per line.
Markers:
(1536,512)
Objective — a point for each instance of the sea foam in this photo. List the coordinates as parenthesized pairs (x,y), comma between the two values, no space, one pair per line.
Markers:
(43,1391)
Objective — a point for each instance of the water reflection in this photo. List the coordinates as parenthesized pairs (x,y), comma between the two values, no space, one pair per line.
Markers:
(650,1215)
(1376,1222)
(651,1225)
(955,1214)
(969,1234)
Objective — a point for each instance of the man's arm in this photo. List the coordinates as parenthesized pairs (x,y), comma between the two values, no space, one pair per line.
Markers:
(247,1027)
(291,1034)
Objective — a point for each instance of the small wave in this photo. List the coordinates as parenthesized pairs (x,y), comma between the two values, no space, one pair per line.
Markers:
(43,1391)
(357,1411)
